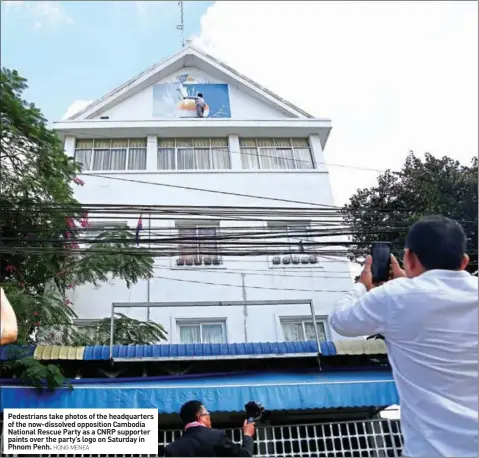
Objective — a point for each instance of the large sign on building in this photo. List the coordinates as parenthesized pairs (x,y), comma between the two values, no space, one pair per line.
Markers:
(181,98)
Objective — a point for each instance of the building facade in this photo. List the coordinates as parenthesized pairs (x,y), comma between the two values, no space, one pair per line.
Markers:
(232,158)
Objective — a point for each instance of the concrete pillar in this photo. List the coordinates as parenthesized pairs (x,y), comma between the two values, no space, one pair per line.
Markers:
(151,153)
(317,153)
(235,153)
(69,146)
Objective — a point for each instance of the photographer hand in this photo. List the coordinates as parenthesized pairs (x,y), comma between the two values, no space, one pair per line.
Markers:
(395,270)
(248,428)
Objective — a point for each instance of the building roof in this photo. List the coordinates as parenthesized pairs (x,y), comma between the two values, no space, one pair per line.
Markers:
(189,56)
(170,352)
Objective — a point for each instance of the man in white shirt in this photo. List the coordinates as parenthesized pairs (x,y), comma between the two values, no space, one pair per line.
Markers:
(428,315)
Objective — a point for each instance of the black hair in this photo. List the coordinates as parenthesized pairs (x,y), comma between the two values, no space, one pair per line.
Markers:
(189,411)
(438,242)
(200,94)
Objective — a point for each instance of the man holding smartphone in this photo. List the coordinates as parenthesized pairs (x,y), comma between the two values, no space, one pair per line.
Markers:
(428,316)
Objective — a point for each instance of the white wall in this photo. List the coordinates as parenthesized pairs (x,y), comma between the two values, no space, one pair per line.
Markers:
(262,324)
(140,105)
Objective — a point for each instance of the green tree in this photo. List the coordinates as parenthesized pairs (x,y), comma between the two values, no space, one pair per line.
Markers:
(423,187)
(45,249)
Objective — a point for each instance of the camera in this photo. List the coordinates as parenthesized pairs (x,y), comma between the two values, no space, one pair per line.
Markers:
(254,411)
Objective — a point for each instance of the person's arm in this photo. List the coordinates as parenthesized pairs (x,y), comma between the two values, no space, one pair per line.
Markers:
(8,321)
(227,447)
(361,313)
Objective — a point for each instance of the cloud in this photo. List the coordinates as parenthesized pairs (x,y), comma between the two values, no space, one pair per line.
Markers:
(392,76)
(43,13)
(75,107)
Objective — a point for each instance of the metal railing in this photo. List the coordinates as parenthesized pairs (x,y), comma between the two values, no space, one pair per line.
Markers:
(369,438)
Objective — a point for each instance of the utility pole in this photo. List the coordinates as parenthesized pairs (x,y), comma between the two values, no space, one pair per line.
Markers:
(181,25)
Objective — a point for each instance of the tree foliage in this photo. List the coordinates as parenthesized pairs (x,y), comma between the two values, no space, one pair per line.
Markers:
(46,246)
(423,187)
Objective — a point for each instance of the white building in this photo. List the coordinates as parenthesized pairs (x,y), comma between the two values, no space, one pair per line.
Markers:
(250,141)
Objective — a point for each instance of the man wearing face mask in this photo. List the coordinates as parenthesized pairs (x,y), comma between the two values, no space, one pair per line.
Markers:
(200,439)
(428,317)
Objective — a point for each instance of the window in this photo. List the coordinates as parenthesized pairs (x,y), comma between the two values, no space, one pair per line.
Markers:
(193,153)
(291,235)
(198,244)
(105,154)
(98,227)
(302,330)
(276,153)
(201,332)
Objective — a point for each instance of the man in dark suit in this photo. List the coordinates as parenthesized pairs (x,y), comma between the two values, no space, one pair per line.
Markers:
(200,440)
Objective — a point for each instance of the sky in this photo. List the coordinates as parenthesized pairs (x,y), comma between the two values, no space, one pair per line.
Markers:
(393,77)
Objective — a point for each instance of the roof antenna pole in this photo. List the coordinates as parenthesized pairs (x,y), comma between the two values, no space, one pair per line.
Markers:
(181,25)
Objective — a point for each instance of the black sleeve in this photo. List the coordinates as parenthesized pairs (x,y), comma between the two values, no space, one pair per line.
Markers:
(167,452)
(226,447)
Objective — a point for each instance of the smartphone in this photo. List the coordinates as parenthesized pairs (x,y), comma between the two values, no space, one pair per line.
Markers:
(381,254)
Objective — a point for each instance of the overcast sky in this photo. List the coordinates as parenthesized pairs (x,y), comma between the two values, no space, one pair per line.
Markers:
(392,76)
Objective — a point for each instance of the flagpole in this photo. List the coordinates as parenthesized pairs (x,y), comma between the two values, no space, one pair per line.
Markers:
(148,283)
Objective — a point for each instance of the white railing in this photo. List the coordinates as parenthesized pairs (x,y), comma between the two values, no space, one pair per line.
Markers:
(371,438)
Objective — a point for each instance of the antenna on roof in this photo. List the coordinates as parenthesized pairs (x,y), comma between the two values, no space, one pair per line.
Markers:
(181,25)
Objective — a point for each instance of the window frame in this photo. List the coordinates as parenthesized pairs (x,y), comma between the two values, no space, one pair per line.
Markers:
(177,148)
(277,144)
(321,319)
(93,149)
(190,322)
(196,255)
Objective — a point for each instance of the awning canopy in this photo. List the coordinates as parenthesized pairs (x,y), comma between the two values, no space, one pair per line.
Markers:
(229,393)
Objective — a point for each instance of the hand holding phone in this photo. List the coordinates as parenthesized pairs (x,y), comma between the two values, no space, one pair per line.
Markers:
(381,254)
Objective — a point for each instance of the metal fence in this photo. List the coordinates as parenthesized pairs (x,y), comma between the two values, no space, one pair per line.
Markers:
(371,438)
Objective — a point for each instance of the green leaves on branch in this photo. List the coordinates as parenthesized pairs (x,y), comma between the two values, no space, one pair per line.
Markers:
(423,187)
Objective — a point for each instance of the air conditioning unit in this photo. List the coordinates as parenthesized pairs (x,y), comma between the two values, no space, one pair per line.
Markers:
(276,260)
(286,260)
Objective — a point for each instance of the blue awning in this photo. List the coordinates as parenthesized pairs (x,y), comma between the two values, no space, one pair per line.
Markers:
(277,391)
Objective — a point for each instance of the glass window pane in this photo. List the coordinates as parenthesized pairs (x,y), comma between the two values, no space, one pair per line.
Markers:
(166,142)
(248,142)
(186,159)
(302,158)
(293,332)
(119,143)
(300,142)
(310,335)
(202,159)
(249,158)
(137,159)
(106,143)
(208,244)
(101,159)
(220,158)
(182,142)
(213,333)
(188,242)
(83,144)
(265,142)
(219,142)
(138,143)
(84,157)
(166,159)
(281,142)
(118,159)
(202,142)
(190,334)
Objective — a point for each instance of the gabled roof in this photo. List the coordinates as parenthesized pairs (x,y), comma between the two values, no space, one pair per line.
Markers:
(189,57)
